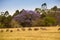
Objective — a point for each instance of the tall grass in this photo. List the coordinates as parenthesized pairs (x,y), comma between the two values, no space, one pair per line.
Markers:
(52,33)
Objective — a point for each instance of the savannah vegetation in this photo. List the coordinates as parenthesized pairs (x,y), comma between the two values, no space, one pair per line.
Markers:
(48,17)
(31,25)
(32,33)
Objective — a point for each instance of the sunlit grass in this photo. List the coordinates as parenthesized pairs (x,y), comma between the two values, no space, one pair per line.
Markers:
(51,33)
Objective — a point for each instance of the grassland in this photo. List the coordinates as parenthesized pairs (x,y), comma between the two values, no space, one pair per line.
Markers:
(51,33)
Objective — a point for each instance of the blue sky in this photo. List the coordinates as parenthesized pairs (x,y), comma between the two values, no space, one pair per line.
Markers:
(12,5)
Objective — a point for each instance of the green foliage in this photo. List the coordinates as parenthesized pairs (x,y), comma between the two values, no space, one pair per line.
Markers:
(49,21)
(16,13)
(5,20)
(41,22)
(44,6)
(34,23)
(43,14)
(1,25)
(6,13)
(46,21)
(15,24)
(38,10)
(38,23)
(54,8)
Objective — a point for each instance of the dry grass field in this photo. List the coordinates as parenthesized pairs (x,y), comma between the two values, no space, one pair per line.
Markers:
(35,33)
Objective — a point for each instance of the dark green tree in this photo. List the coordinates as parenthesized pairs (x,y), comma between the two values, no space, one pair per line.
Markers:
(54,8)
(43,14)
(44,6)
(16,13)
(6,13)
(7,21)
(49,21)
(38,10)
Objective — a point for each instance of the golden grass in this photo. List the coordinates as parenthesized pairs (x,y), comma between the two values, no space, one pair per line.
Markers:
(52,33)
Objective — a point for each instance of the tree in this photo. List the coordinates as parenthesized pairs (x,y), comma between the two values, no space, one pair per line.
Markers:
(38,10)
(46,21)
(43,14)
(16,13)
(6,14)
(54,8)
(2,14)
(2,18)
(49,21)
(27,21)
(44,6)
(7,21)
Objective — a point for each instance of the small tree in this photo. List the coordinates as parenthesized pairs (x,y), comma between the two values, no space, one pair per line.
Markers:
(38,10)
(7,21)
(54,8)
(44,6)
(16,13)
(43,14)
(6,13)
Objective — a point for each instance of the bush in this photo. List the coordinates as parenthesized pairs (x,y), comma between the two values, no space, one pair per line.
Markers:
(49,21)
